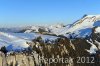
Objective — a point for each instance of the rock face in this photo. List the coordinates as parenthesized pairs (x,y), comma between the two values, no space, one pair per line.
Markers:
(16,60)
(64,53)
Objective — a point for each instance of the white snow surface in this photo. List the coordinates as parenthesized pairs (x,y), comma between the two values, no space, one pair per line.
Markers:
(12,43)
(18,41)
(93,48)
(97,30)
(57,29)
(84,26)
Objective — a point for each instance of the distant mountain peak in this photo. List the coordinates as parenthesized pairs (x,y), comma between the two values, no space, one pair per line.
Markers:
(81,28)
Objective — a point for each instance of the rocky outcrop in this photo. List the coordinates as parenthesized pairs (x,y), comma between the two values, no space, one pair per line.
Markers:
(64,52)
(16,60)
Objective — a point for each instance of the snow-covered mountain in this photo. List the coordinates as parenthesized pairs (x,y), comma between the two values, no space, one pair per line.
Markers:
(81,28)
(84,26)
(25,45)
(50,29)
(17,37)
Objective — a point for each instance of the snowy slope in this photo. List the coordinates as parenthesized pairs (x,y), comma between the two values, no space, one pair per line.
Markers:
(59,29)
(17,41)
(12,43)
(81,28)
(31,36)
(86,22)
(84,26)
(51,29)
(97,30)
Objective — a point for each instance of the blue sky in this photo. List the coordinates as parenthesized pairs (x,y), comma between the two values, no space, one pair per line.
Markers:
(29,12)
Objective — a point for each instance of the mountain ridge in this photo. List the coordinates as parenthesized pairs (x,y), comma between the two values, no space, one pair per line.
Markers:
(24,46)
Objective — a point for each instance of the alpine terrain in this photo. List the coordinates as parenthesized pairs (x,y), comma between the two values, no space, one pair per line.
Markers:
(76,44)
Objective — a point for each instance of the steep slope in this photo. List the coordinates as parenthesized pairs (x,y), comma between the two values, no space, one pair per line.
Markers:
(84,26)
